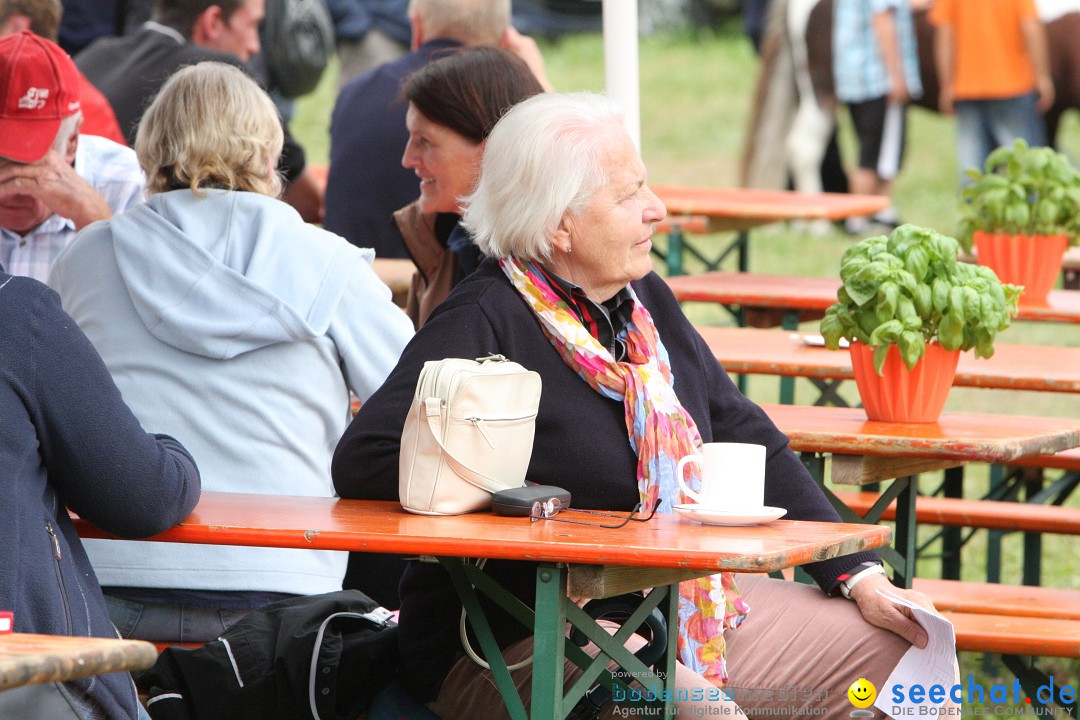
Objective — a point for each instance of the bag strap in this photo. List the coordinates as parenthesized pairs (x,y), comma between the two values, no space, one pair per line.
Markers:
(433,410)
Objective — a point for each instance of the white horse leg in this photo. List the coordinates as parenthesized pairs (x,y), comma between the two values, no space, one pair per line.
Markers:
(810,130)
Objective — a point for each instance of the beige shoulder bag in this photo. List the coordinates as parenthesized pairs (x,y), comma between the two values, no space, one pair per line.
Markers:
(468,434)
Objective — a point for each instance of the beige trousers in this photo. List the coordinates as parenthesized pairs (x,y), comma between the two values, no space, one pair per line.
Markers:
(794,657)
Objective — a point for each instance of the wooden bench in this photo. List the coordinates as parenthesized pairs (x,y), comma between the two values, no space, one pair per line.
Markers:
(986,514)
(1008,619)
(1067,460)
(1015,622)
(792,297)
(957,596)
(997,516)
(1016,635)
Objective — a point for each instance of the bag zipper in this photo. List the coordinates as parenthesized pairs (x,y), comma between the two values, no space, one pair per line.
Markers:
(478,423)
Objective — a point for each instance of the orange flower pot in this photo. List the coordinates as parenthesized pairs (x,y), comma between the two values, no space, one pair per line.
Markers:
(899,394)
(1033,261)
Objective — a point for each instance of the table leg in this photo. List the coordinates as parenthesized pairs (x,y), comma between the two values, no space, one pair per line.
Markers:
(901,556)
(905,532)
(490,648)
(675,250)
(548,634)
(551,646)
(740,246)
(952,537)
(787,383)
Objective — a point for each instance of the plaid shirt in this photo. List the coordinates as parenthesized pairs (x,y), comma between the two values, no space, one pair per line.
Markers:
(109,168)
(858,67)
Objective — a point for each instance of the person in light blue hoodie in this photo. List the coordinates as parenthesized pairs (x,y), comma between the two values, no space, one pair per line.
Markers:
(230,323)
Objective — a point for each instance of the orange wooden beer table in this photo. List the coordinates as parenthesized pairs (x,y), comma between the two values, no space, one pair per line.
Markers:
(756,351)
(574,561)
(740,209)
(864,451)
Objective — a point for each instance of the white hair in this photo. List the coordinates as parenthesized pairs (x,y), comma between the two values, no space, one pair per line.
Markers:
(543,159)
(69,126)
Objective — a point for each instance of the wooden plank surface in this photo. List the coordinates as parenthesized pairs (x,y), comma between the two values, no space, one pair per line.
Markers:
(744,208)
(817,293)
(370,526)
(397,274)
(27,659)
(866,469)
(778,352)
(1014,635)
(965,437)
(997,599)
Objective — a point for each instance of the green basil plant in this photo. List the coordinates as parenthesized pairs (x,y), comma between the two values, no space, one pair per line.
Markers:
(1022,191)
(908,289)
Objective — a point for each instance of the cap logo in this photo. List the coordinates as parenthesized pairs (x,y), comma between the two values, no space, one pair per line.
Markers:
(34,99)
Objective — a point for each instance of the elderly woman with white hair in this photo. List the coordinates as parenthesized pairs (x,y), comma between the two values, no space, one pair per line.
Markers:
(229,322)
(563,212)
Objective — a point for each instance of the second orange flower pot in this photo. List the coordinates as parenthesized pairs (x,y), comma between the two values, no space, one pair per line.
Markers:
(1033,261)
(899,394)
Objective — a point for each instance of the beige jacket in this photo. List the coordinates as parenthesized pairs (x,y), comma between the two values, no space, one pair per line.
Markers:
(437,266)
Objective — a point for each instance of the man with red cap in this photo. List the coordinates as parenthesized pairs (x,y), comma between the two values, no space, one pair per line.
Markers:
(53,182)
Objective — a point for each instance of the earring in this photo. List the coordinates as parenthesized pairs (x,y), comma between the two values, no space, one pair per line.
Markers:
(567,248)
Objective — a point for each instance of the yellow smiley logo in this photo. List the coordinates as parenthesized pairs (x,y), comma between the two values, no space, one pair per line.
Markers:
(862,693)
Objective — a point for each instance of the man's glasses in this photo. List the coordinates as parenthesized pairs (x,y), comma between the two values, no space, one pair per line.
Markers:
(548,509)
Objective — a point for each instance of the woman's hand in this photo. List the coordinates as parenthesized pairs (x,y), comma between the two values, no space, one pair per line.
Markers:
(882,612)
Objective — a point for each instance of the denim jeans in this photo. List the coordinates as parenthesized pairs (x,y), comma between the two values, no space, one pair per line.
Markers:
(169,623)
(983,125)
(49,701)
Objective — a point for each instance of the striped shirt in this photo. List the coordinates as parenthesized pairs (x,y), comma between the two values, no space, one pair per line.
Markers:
(858,68)
(112,170)
(605,322)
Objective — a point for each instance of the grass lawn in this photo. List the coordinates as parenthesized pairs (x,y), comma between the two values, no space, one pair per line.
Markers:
(696,95)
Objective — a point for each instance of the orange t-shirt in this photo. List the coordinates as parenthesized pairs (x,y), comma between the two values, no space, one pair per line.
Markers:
(991,59)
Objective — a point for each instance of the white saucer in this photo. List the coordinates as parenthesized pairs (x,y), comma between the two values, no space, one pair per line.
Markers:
(709,516)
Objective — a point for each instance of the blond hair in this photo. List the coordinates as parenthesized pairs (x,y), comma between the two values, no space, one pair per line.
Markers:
(211,126)
(472,22)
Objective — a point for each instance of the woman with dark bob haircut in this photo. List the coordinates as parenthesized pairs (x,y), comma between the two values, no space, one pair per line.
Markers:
(454,103)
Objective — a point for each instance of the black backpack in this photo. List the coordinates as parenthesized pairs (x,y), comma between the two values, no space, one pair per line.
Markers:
(320,657)
(297,38)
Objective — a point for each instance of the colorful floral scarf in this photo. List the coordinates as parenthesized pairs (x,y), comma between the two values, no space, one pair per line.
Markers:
(661,431)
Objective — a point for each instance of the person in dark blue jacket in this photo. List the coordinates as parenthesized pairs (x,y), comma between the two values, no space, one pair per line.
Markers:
(69,441)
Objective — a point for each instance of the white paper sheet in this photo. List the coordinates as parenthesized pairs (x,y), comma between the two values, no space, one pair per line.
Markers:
(928,666)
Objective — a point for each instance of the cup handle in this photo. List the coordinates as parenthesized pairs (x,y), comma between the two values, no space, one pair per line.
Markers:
(679,475)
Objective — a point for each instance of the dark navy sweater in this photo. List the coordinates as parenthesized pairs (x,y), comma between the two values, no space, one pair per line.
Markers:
(581,445)
(67,440)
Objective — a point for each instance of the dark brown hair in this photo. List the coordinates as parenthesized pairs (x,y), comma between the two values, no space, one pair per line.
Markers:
(470,89)
(44,15)
(181,15)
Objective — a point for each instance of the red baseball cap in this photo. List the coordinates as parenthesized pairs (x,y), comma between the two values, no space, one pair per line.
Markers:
(39,87)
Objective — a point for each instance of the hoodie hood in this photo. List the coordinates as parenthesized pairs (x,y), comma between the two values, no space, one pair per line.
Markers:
(231,271)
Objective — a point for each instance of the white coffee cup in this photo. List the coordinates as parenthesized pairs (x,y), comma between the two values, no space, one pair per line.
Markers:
(732,476)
